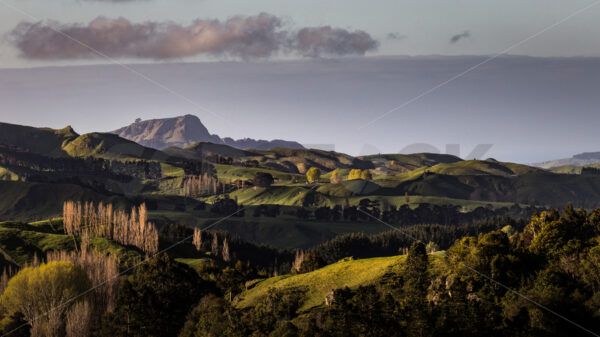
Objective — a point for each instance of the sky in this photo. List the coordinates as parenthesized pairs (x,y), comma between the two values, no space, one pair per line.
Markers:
(412,27)
(315,71)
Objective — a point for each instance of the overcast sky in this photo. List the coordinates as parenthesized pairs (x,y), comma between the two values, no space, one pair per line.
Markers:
(406,27)
(314,71)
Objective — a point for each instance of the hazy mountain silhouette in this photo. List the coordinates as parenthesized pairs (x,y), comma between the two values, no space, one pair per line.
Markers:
(582,159)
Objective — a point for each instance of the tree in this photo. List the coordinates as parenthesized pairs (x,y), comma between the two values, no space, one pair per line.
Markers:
(225,206)
(263,179)
(79,320)
(415,289)
(36,291)
(336,177)
(310,262)
(213,317)
(156,300)
(354,174)
(225,252)
(432,247)
(366,175)
(302,213)
(313,174)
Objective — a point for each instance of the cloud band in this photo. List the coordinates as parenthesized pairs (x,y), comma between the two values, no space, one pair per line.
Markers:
(245,37)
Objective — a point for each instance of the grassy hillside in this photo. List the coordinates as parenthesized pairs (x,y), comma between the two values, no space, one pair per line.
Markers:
(203,150)
(28,201)
(400,163)
(66,142)
(110,146)
(337,194)
(44,141)
(20,242)
(346,273)
(473,168)
(233,172)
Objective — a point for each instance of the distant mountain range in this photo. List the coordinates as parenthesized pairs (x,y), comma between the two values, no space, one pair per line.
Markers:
(186,130)
(582,159)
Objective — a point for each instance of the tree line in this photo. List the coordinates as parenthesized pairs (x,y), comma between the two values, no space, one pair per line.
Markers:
(114,169)
(553,262)
(368,210)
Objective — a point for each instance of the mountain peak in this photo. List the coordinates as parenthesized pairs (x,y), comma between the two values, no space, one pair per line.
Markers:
(186,130)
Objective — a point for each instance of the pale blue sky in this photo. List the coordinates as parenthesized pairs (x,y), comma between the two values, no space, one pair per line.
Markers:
(426,25)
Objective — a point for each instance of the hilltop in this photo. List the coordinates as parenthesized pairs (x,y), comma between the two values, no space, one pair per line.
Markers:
(45,141)
(186,130)
(67,143)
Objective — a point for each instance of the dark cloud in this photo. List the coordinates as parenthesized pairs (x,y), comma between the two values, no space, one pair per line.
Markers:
(459,37)
(396,36)
(245,37)
(316,41)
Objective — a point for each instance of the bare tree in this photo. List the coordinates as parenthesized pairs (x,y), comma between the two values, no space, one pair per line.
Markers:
(215,245)
(298,260)
(79,320)
(225,251)
(197,240)
(88,220)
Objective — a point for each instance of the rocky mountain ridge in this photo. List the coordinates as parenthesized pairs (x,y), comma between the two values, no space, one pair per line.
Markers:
(186,130)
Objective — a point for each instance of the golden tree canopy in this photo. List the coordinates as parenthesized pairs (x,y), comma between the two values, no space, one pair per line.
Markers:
(354,174)
(336,177)
(313,174)
(36,290)
(366,175)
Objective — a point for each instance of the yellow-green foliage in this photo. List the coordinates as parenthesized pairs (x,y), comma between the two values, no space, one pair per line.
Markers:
(313,174)
(124,255)
(480,167)
(366,175)
(231,172)
(171,171)
(336,176)
(19,242)
(345,273)
(280,195)
(6,174)
(37,290)
(199,265)
(354,174)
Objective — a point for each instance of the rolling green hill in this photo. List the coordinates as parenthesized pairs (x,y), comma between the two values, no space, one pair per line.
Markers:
(29,201)
(66,142)
(527,186)
(281,159)
(400,163)
(200,151)
(474,168)
(316,284)
(345,273)
(44,141)
(110,146)
(20,242)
